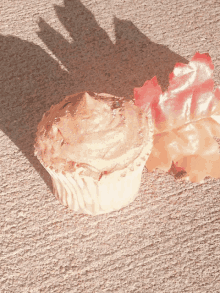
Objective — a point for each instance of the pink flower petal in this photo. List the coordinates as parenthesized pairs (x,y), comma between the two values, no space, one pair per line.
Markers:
(186,117)
(147,94)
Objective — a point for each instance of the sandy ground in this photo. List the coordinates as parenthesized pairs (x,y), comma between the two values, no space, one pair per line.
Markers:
(168,239)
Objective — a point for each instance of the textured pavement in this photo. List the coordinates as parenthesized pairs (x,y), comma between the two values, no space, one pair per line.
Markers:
(168,239)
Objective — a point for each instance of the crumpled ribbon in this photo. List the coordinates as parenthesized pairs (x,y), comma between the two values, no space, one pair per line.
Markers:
(186,119)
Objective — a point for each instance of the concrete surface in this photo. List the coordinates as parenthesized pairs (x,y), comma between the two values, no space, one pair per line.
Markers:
(168,240)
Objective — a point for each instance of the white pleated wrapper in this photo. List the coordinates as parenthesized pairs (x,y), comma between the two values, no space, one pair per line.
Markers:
(113,191)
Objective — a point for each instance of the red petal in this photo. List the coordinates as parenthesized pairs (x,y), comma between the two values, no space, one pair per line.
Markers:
(204,58)
(147,94)
(189,95)
(217,93)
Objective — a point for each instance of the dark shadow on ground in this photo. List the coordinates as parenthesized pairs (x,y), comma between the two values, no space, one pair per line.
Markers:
(31,80)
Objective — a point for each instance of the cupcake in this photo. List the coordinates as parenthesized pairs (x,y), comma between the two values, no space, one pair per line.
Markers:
(95,147)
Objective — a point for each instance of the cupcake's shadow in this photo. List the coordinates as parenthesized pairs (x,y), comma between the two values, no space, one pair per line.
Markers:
(31,80)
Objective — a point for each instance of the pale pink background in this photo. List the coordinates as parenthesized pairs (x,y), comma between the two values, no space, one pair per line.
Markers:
(168,239)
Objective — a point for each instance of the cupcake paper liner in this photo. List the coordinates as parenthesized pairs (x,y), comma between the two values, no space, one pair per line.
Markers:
(84,194)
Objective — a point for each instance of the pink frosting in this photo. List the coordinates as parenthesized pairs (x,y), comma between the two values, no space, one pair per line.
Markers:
(100,132)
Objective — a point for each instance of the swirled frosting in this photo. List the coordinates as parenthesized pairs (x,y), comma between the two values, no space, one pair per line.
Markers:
(99,132)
